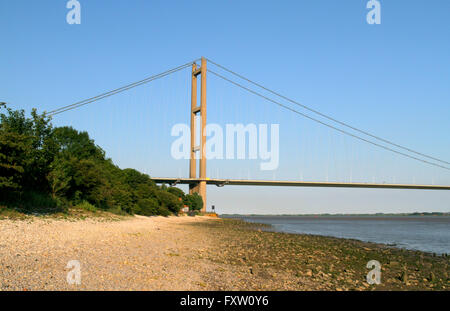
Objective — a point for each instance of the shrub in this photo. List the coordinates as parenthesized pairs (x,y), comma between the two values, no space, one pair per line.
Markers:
(46,170)
(86,206)
(170,201)
(194,201)
(150,207)
(177,192)
(117,210)
(36,202)
(147,207)
(163,211)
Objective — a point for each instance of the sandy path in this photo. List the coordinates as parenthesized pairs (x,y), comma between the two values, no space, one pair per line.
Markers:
(139,253)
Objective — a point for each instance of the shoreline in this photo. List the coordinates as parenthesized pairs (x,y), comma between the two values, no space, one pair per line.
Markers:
(200,253)
(273,228)
(335,263)
(377,244)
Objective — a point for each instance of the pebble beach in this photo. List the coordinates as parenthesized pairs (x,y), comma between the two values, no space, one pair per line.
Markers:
(199,253)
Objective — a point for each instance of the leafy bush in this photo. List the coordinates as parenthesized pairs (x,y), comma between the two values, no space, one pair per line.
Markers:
(194,201)
(41,203)
(117,210)
(86,206)
(46,169)
(151,207)
(170,201)
(176,192)
(147,207)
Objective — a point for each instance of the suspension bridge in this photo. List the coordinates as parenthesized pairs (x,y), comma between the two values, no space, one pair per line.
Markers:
(198,179)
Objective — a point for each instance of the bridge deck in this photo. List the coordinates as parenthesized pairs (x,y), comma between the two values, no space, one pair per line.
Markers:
(286,183)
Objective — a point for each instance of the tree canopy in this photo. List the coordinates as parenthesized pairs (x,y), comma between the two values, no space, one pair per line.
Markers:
(48,169)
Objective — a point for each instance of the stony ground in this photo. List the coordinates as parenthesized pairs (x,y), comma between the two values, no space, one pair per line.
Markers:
(198,253)
(137,253)
(281,261)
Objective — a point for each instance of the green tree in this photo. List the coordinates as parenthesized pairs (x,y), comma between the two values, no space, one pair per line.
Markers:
(59,177)
(150,207)
(47,169)
(77,144)
(37,148)
(134,178)
(13,149)
(170,201)
(177,192)
(194,201)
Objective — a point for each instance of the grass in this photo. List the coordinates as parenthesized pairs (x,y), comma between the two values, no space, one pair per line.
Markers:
(9,213)
(34,204)
(85,205)
(72,214)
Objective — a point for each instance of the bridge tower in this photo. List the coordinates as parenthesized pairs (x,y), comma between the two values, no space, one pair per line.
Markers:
(200,187)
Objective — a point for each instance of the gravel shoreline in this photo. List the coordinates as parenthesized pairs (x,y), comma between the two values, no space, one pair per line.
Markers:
(198,253)
(139,253)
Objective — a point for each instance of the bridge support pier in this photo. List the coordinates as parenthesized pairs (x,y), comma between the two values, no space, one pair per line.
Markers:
(200,188)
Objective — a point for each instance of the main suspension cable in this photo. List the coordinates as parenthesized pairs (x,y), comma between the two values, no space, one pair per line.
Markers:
(326,116)
(325,124)
(118,90)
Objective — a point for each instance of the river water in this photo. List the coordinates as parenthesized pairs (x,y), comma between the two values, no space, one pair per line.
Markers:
(424,233)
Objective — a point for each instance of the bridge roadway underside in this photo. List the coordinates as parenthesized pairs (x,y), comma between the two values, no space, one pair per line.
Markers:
(286,183)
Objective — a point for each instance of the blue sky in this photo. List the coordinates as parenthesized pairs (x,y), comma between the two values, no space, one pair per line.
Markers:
(390,79)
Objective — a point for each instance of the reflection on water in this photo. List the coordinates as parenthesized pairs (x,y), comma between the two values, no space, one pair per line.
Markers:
(425,233)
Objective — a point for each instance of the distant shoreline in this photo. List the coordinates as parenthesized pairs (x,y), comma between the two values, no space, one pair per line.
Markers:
(446,214)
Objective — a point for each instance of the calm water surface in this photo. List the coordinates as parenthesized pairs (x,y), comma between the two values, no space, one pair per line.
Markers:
(424,233)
